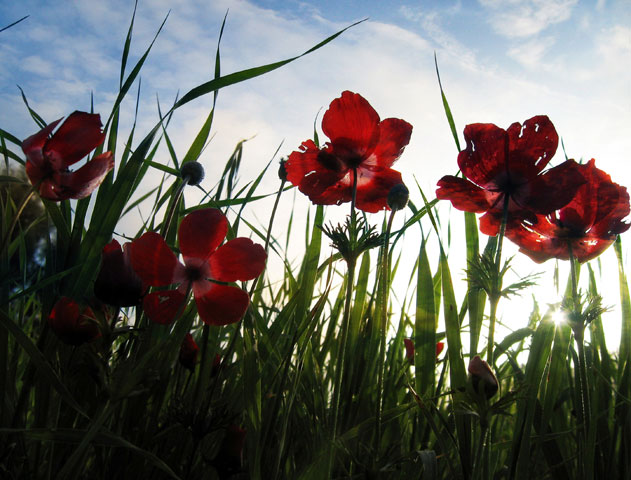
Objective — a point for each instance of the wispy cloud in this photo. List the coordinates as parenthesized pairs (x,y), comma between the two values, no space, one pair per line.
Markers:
(530,54)
(525,18)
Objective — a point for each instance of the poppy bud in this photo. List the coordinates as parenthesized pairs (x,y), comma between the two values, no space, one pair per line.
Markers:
(282,171)
(72,324)
(228,461)
(192,172)
(482,377)
(188,352)
(398,197)
(117,283)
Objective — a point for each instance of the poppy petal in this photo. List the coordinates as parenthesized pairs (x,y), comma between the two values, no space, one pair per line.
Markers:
(222,305)
(323,185)
(238,259)
(464,195)
(35,143)
(553,189)
(484,158)
(532,145)
(163,307)
(153,260)
(84,181)
(352,125)
(373,187)
(201,232)
(394,135)
(78,135)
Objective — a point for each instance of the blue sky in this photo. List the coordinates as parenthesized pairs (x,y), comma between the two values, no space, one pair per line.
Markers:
(501,61)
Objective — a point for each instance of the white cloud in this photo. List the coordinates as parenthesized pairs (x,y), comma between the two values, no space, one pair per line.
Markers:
(524,18)
(530,54)
(37,65)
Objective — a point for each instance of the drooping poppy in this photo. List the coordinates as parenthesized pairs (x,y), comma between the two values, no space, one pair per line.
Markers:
(482,377)
(359,142)
(206,268)
(500,164)
(188,352)
(587,225)
(72,323)
(48,158)
(229,459)
(117,283)
(409,349)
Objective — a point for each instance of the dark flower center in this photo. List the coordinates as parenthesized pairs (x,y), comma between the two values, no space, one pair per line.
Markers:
(330,161)
(194,273)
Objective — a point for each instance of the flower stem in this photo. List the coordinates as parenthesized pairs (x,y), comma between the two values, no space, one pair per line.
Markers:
(341,346)
(382,301)
(494,297)
(164,231)
(578,328)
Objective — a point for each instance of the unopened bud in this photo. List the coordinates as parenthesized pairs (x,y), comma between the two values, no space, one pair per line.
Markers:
(398,197)
(192,172)
(482,377)
(282,171)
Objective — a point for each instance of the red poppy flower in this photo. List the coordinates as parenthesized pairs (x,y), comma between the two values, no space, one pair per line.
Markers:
(587,225)
(499,163)
(360,142)
(72,324)
(48,158)
(409,349)
(205,265)
(188,352)
(117,283)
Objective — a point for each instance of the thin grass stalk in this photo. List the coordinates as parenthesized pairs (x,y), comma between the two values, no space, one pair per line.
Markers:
(382,301)
(18,213)
(164,231)
(494,297)
(341,346)
(578,327)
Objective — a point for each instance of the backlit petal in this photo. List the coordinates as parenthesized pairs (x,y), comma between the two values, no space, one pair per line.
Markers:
(164,306)
(373,187)
(394,135)
(153,260)
(222,305)
(352,125)
(484,158)
(81,183)
(36,142)
(238,259)
(201,232)
(464,195)
(78,135)
(531,145)
(553,189)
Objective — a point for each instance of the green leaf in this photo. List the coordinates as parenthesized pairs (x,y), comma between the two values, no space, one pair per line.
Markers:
(249,73)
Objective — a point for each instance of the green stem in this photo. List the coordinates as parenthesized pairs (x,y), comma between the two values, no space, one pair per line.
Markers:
(578,328)
(383,293)
(341,346)
(172,206)
(7,237)
(494,297)
(481,453)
